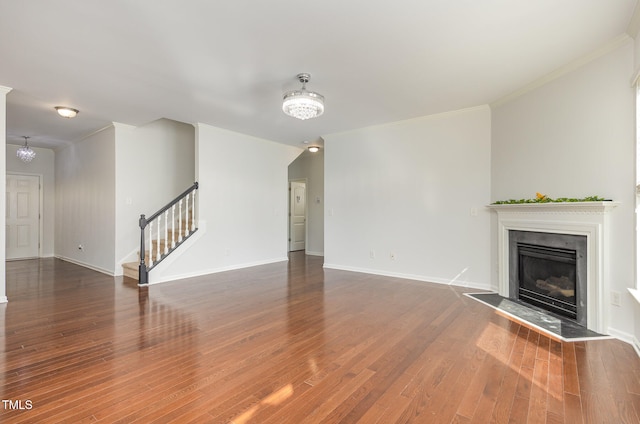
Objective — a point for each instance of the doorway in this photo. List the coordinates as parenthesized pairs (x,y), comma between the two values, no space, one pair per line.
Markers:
(297,215)
(22,216)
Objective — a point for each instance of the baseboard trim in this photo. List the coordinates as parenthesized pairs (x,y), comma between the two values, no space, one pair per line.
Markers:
(620,335)
(217,270)
(3,299)
(312,253)
(414,277)
(636,346)
(86,265)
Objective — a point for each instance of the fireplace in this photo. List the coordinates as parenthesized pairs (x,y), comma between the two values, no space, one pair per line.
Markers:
(549,271)
(587,219)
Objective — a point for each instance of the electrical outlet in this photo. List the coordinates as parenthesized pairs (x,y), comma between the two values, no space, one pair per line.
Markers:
(615,298)
(473,211)
(372,254)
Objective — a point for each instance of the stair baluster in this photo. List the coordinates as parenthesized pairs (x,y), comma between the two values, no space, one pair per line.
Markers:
(156,254)
(158,239)
(180,221)
(166,231)
(193,212)
(186,216)
(173,227)
(150,244)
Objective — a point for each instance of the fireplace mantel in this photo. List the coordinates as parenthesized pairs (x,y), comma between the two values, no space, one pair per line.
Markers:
(557,207)
(590,219)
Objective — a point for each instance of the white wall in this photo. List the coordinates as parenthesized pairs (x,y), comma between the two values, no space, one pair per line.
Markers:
(574,137)
(242,205)
(85,201)
(310,167)
(3,189)
(42,165)
(154,164)
(409,188)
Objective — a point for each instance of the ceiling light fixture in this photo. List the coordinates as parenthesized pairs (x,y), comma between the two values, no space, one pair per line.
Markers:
(26,153)
(67,112)
(303,104)
(313,149)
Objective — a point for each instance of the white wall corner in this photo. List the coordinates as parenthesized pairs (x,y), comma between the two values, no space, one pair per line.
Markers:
(625,337)
(86,265)
(3,169)
(575,64)
(634,24)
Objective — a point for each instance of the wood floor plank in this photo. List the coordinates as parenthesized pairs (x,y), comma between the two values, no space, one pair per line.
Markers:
(502,408)
(555,387)
(570,369)
(573,408)
(288,343)
(539,385)
(442,388)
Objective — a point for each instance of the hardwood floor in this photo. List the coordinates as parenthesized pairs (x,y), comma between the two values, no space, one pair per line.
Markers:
(289,343)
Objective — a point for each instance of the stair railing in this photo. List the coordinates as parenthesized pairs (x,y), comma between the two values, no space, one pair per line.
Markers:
(180,211)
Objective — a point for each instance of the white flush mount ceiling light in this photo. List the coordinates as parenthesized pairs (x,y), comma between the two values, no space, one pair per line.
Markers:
(67,112)
(26,153)
(303,104)
(313,149)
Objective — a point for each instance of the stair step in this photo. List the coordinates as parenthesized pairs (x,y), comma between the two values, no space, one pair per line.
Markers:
(130,269)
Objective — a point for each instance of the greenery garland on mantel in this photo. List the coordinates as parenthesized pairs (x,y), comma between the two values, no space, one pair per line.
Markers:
(543,198)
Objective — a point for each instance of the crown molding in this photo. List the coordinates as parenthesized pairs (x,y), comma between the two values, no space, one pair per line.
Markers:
(607,48)
(434,116)
(634,23)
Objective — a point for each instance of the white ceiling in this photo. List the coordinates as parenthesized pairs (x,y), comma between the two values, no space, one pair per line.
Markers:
(227,63)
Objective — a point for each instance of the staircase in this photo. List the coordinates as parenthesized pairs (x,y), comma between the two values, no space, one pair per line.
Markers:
(164,232)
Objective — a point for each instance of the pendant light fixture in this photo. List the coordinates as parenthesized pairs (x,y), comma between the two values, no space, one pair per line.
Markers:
(303,104)
(26,153)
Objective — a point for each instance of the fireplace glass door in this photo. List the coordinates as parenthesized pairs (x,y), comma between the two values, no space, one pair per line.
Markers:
(548,278)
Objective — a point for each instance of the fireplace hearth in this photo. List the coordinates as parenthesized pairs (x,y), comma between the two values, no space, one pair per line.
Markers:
(548,270)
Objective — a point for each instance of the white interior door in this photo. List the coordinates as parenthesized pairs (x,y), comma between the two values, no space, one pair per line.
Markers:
(22,216)
(297,215)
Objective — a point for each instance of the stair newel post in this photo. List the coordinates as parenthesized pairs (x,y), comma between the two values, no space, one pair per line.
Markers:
(166,231)
(143,274)
(173,227)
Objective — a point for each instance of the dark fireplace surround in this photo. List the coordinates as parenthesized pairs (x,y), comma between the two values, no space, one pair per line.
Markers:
(549,271)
